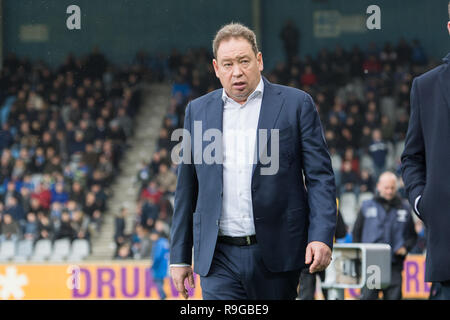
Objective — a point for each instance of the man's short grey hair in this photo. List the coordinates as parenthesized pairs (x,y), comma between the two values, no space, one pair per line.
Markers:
(449,10)
(234,30)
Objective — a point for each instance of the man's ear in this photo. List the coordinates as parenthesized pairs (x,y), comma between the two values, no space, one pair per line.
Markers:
(216,67)
(448,27)
(260,61)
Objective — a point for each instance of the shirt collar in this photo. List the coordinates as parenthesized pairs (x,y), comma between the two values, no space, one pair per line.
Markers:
(257,93)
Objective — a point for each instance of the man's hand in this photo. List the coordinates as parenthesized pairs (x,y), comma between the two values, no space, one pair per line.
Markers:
(319,254)
(179,274)
(401,252)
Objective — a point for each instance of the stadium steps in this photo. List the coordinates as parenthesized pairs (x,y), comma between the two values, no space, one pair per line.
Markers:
(125,190)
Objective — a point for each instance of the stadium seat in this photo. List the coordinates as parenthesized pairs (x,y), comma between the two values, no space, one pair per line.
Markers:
(366,163)
(24,250)
(363,197)
(79,251)
(42,250)
(347,206)
(7,250)
(61,249)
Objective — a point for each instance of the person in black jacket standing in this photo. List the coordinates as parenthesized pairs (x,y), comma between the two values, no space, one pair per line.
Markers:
(387,219)
(425,168)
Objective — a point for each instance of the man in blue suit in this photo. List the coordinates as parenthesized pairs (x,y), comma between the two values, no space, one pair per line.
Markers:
(426,167)
(253,224)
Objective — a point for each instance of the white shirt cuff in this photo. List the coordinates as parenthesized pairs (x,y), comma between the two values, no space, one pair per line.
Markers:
(180,265)
(415,205)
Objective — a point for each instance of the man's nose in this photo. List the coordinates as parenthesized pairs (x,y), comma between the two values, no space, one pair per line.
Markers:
(237,72)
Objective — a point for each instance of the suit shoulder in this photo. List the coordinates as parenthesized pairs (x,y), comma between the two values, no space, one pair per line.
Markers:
(291,92)
(431,76)
(296,98)
(202,100)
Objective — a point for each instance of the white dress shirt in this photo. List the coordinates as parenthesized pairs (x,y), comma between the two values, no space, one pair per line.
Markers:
(415,205)
(240,124)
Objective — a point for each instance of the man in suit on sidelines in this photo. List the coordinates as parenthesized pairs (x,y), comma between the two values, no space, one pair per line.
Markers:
(426,167)
(253,224)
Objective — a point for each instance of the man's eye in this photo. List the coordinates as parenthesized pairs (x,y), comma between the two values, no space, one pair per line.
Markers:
(227,65)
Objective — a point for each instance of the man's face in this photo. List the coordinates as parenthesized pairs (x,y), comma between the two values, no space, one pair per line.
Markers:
(238,68)
(387,187)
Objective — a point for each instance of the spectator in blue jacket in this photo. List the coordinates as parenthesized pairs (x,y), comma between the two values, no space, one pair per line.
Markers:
(160,257)
(15,209)
(58,194)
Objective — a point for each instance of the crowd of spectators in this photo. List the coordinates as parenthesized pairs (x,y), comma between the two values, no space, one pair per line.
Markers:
(362,97)
(63,132)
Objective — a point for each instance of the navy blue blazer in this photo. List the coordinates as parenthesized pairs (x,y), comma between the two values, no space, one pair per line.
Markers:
(426,164)
(287,214)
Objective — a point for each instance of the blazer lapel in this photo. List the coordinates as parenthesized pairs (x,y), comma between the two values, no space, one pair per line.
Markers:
(444,79)
(214,120)
(271,105)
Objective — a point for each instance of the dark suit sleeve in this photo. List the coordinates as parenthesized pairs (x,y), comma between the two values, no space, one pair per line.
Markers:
(319,176)
(413,157)
(185,202)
